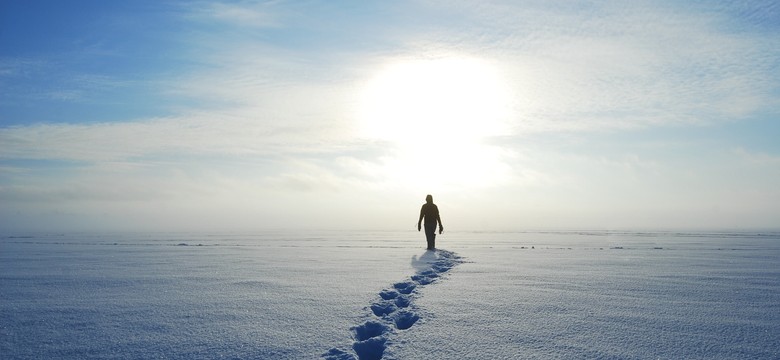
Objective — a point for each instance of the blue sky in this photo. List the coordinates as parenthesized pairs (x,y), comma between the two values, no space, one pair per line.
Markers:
(243,115)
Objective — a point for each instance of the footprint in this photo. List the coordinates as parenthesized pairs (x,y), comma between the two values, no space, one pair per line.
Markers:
(338,354)
(385,307)
(395,309)
(423,279)
(388,294)
(370,329)
(404,319)
(405,287)
(442,267)
(403,301)
(370,349)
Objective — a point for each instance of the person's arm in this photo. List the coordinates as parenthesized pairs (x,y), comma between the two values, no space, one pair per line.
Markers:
(438,218)
(422,214)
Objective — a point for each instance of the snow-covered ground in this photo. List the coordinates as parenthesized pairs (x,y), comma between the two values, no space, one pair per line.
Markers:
(349,295)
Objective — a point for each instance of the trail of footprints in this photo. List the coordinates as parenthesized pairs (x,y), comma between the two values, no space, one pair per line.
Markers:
(393,310)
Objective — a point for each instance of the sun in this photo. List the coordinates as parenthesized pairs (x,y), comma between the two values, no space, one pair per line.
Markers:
(436,115)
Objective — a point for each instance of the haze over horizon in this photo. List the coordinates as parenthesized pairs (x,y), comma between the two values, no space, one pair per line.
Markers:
(242,115)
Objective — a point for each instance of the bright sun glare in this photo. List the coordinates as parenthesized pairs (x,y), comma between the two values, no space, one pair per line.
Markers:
(437,114)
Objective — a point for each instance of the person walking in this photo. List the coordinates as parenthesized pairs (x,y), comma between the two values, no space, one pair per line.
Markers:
(430,212)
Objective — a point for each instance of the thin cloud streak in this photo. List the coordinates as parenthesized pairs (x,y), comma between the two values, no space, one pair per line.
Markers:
(265,116)
(159,138)
(245,15)
(628,67)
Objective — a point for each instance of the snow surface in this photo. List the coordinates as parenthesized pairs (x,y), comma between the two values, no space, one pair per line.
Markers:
(352,295)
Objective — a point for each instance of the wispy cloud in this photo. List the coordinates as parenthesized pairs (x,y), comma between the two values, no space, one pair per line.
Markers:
(11,67)
(251,14)
(265,105)
(759,158)
(612,65)
(194,135)
(571,67)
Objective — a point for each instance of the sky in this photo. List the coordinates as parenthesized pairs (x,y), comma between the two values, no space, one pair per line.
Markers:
(514,115)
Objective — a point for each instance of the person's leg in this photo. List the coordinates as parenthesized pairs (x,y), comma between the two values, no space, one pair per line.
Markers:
(430,235)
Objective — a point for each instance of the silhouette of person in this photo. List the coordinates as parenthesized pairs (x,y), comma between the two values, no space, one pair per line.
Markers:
(430,212)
